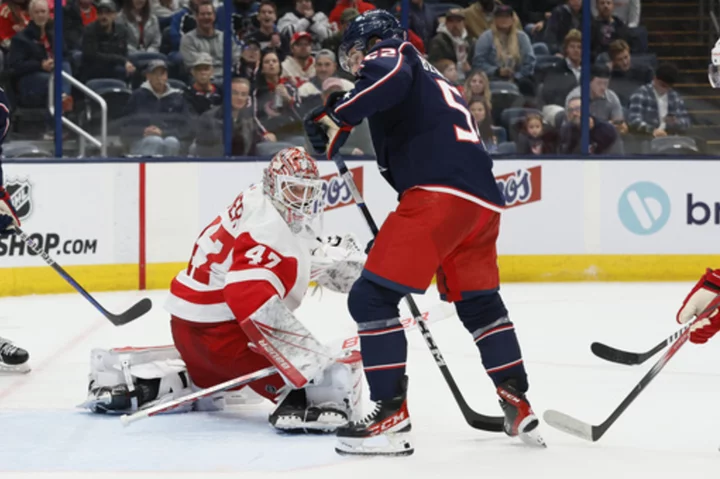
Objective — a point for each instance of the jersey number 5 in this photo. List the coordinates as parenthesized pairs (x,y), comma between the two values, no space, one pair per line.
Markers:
(471,135)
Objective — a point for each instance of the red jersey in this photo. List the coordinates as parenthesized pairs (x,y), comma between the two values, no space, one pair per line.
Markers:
(11,18)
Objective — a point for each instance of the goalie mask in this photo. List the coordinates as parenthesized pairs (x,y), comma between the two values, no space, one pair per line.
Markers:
(714,67)
(293,184)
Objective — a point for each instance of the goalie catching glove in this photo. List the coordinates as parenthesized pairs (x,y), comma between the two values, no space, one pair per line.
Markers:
(337,263)
(8,216)
(706,289)
(327,133)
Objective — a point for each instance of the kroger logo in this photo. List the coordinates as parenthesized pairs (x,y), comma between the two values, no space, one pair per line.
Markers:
(644,208)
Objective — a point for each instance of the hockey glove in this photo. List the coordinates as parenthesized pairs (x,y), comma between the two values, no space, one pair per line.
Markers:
(326,132)
(706,289)
(8,216)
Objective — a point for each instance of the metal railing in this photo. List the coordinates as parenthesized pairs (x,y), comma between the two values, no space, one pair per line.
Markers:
(84,135)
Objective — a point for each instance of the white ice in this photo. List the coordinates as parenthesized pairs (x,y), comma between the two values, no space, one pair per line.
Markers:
(671,430)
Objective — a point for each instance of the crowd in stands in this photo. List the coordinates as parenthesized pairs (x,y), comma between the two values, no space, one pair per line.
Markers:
(517,63)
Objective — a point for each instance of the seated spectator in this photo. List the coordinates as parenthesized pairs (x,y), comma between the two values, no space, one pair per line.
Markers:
(604,103)
(203,94)
(341,6)
(656,109)
(604,139)
(104,46)
(480,110)
(276,97)
(249,62)
(32,59)
(14,17)
(479,17)
(246,131)
(333,42)
(626,10)
(243,17)
(505,53)
(452,43)
(299,67)
(305,19)
(143,27)
(326,67)
(422,20)
(564,18)
(268,36)
(534,15)
(76,16)
(164,8)
(448,69)
(606,28)
(533,138)
(182,22)
(625,77)
(563,78)
(477,84)
(157,117)
(205,39)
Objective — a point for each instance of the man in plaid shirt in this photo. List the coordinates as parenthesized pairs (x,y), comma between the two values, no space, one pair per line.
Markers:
(656,109)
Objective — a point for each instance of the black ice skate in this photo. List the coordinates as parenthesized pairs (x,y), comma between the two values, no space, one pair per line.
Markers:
(520,420)
(293,415)
(119,398)
(12,358)
(384,432)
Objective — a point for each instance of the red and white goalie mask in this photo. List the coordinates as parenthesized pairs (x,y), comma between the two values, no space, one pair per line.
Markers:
(293,183)
(714,67)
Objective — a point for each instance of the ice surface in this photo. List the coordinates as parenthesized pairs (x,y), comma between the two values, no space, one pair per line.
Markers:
(670,431)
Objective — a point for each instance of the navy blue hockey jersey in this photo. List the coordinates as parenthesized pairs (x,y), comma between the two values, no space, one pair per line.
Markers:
(4,126)
(422,129)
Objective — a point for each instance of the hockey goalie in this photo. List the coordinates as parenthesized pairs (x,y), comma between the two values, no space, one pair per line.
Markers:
(232,311)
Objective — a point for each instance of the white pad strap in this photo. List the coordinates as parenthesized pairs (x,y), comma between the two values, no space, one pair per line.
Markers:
(286,343)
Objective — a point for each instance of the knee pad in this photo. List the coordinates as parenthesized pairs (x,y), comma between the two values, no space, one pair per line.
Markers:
(368,301)
(481,312)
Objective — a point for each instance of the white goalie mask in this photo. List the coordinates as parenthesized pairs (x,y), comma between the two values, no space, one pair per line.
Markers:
(714,67)
(293,184)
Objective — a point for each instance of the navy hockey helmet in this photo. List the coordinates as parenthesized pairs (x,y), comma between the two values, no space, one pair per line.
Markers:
(379,24)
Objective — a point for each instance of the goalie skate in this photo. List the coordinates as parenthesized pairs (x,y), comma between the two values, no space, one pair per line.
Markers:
(294,416)
(12,358)
(520,420)
(384,432)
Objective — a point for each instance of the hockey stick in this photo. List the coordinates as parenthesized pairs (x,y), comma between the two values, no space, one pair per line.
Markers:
(589,432)
(135,311)
(614,355)
(474,419)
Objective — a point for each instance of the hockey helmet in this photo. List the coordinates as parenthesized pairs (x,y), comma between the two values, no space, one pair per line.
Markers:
(379,24)
(714,67)
(293,184)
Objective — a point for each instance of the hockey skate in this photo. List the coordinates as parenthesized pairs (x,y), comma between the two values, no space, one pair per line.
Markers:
(119,398)
(384,432)
(294,416)
(12,358)
(520,420)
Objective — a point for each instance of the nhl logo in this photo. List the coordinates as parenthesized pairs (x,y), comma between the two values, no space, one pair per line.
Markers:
(19,192)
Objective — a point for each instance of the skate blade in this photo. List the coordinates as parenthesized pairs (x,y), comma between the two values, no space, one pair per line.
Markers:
(393,444)
(532,439)
(19,369)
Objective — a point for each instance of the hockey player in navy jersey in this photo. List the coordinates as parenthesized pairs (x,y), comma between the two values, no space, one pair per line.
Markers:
(12,358)
(429,150)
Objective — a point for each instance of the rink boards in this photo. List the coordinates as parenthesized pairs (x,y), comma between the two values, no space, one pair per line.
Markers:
(126,225)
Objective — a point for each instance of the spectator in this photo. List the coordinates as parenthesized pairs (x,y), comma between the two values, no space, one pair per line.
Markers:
(14,17)
(32,59)
(268,36)
(203,94)
(448,69)
(104,46)
(626,10)
(182,22)
(603,137)
(246,131)
(156,116)
(479,17)
(625,77)
(477,85)
(305,19)
(299,67)
(205,39)
(606,28)
(532,139)
(563,19)
(164,8)
(243,18)
(656,109)
(604,103)
(452,42)
(422,20)
(76,16)
(565,76)
(359,6)
(505,53)
(326,67)
(347,16)
(249,60)
(276,96)
(480,110)
(143,27)
(534,14)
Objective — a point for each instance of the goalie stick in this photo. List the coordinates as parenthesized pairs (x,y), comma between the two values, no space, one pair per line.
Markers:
(590,432)
(473,418)
(135,311)
(619,356)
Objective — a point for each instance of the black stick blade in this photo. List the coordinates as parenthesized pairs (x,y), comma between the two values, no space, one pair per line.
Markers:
(611,354)
(137,310)
(484,423)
